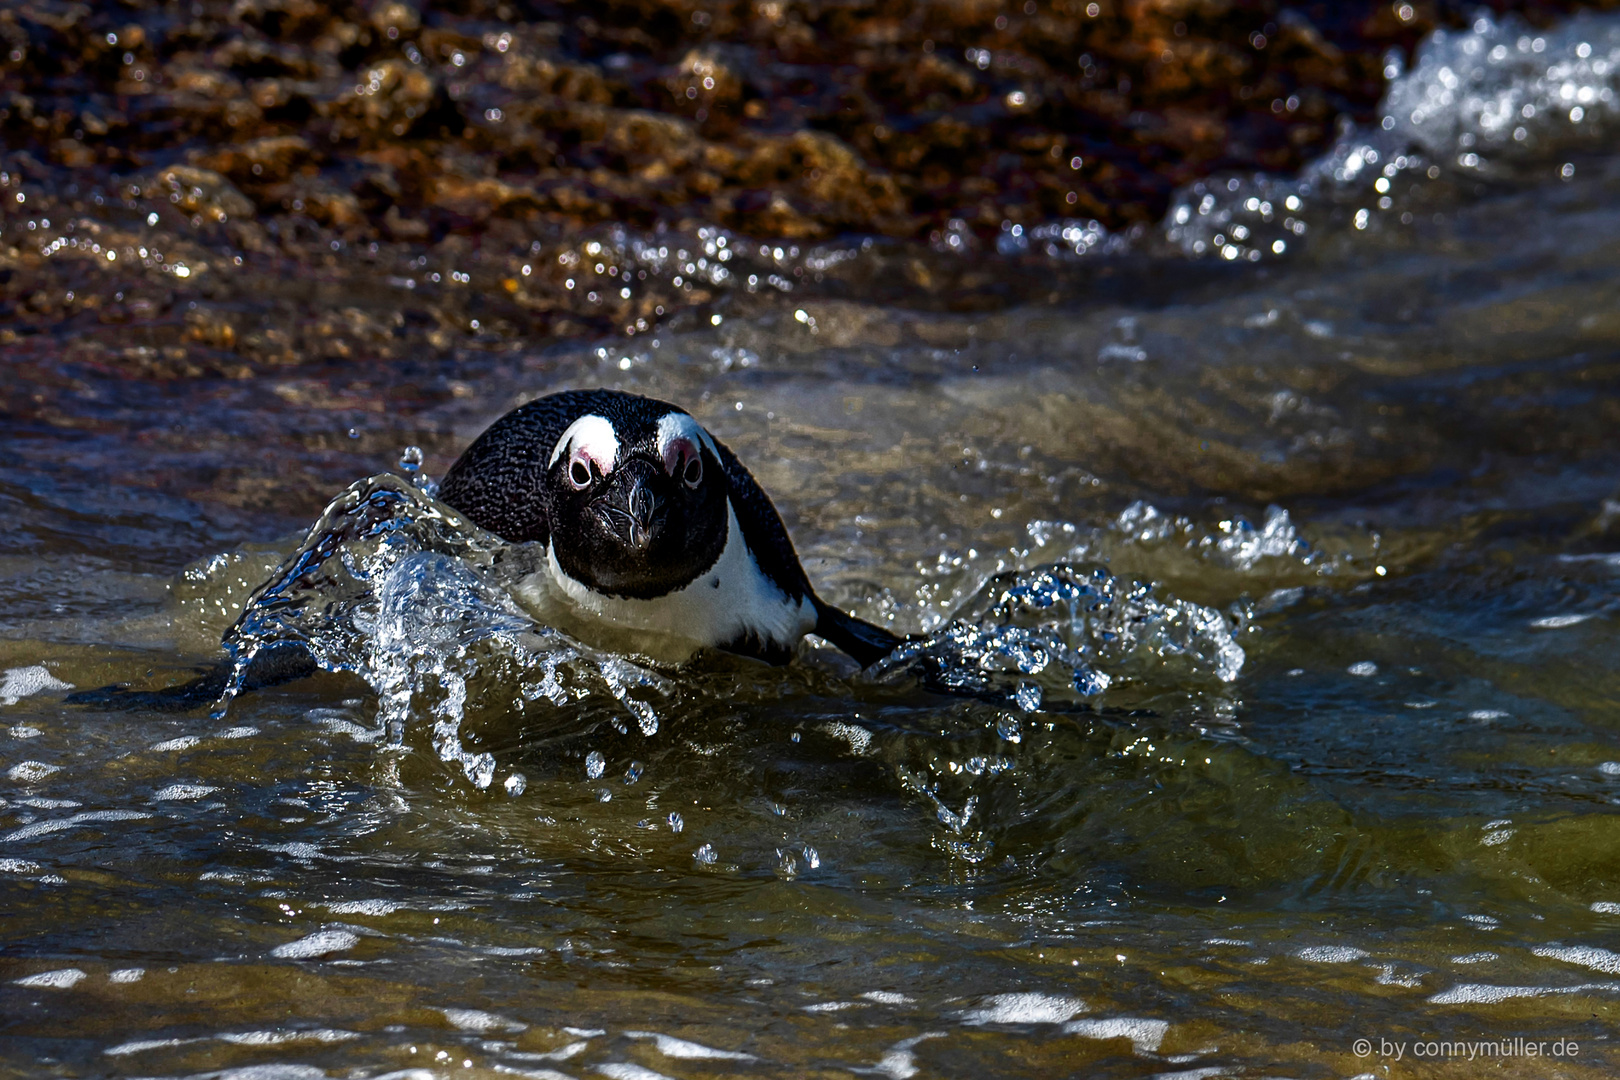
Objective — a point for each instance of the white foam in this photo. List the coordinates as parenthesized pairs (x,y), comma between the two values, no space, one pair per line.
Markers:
(1485,994)
(1585,955)
(364,907)
(31,772)
(126,975)
(1606,907)
(899,1062)
(338,725)
(1555,622)
(62,979)
(1363,669)
(533,1074)
(39,802)
(562,1053)
(277,1038)
(1145,1035)
(1025,1008)
(19,866)
(140,1045)
(887,997)
(320,943)
(831,1006)
(478,1020)
(21,682)
(44,828)
(183,792)
(184,742)
(623,1070)
(857,737)
(1330,954)
(1475,958)
(670,1046)
(1387,976)
(236,733)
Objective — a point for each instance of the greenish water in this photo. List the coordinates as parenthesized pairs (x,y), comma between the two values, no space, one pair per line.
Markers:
(1384,468)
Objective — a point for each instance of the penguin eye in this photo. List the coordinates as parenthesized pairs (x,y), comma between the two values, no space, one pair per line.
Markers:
(579,474)
(693,473)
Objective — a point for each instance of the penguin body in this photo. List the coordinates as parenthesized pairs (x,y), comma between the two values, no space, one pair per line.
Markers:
(656,539)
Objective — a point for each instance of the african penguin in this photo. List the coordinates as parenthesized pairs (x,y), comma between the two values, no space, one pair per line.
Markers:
(655,539)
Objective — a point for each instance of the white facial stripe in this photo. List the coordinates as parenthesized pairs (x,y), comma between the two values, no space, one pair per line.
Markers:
(681,426)
(591,436)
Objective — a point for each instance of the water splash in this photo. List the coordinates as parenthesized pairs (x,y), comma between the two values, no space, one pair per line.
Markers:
(403,591)
(400,589)
(1063,631)
(1498,98)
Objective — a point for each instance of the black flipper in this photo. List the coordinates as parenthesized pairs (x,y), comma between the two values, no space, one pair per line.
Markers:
(866,643)
(271,667)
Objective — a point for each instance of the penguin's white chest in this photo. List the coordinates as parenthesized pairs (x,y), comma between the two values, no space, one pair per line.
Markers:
(727,603)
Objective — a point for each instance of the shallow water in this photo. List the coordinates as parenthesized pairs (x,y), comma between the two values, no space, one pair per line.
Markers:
(1382,468)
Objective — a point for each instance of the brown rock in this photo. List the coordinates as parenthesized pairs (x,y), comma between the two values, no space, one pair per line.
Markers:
(258,161)
(197,191)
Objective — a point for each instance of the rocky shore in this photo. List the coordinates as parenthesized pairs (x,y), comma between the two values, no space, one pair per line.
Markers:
(218,186)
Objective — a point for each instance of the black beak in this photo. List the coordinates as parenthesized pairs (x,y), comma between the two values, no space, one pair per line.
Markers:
(631,508)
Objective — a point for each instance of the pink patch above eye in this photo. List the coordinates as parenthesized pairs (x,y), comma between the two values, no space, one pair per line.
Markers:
(603,462)
(677,452)
(594,453)
(592,439)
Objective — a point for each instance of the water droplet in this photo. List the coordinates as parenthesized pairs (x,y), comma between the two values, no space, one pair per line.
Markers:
(410,459)
(705,855)
(633,773)
(516,783)
(676,822)
(595,765)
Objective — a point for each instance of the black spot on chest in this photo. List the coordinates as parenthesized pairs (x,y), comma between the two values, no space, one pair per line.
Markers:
(714,583)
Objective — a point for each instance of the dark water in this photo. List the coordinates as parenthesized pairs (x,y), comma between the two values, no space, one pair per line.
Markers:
(1344,766)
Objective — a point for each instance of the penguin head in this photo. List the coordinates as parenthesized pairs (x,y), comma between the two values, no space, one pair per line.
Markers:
(637,503)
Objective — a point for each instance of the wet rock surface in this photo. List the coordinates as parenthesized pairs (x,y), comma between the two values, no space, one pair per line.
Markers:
(216,188)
